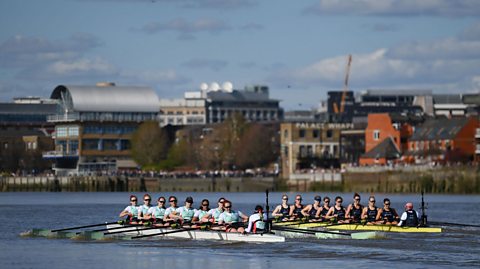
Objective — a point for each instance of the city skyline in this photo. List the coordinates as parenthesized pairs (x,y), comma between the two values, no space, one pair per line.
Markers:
(297,49)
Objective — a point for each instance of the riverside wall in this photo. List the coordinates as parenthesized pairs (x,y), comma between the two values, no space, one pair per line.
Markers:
(448,180)
(136,184)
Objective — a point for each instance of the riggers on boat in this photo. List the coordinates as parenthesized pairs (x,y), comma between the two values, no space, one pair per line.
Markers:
(195,234)
(361,227)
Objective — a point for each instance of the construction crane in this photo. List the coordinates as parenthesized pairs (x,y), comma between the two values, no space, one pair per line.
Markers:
(336,108)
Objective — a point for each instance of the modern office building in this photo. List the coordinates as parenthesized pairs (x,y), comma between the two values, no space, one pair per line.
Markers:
(94,124)
(214,104)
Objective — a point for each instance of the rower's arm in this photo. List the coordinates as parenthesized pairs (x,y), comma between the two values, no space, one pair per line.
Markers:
(306,209)
(329,213)
(276,211)
(347,213)
(379,214)
(364,213)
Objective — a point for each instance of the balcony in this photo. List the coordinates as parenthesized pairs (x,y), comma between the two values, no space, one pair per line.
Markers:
(60,154)
(64,117)
(477,133)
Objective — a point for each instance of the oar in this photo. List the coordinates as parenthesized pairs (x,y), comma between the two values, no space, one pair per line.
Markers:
(308,231)
(454,224)
(52,233)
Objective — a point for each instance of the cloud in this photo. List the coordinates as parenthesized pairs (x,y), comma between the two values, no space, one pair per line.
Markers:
(212,64)
(21,51)
(162,77)
(447,8)
(386,68)
(186,28)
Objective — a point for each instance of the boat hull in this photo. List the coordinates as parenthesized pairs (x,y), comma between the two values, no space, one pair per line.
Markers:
(361,227)
(197,234)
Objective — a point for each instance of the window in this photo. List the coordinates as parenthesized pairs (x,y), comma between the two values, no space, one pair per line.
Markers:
(316,133)
(61,132)
(329,133)
(376,134)
(285,134)
(73,131)
(301,133)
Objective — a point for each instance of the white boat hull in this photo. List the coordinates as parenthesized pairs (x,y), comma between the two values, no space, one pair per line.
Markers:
(197,234)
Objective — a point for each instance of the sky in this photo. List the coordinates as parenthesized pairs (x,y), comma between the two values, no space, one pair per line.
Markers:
(297,48)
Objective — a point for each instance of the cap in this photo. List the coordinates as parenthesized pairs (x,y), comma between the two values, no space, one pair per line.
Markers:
(189,199)
(258,208)
(408,206)
(318,198)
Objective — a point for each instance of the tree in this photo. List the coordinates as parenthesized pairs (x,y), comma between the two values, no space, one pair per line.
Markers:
(257,147)
(150,144)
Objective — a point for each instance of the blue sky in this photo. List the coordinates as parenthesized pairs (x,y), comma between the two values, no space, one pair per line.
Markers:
(298,48)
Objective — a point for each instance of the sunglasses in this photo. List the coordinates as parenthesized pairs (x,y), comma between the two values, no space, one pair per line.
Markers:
(161,201)
(204,204)
(372,201)
(339,201)
(387,203)
(221,202)
(286,199)
(327,201)
(298,199)
(173,201)
(228,206)
(133,200)
(357,199)
(147,199)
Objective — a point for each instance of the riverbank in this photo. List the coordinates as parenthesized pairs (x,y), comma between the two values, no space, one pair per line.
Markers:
(446,180)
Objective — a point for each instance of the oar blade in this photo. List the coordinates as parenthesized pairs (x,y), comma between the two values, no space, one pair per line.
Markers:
(368,235)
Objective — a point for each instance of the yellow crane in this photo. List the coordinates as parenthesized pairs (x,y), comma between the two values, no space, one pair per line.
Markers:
(336,109)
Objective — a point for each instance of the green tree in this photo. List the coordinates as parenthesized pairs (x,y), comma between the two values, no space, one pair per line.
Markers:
(150,144)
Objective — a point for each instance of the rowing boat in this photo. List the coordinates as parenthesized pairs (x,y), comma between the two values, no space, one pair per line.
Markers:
(196,234)
(361,227)
(332,235)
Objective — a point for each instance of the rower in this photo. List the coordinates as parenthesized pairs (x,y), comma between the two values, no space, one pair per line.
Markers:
(326,206)
(186,212)
(282,211)
(214,214)
(310,211)
(201,214)
(256,222)
(146,206)
(171,214)
(157,212)
(387,215)
(370,212)
(354,210)
(336,213)
(131,211)
(232,219)
(296,208)
(410,217)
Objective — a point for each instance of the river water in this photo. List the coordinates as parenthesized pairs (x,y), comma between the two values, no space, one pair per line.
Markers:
(455,247)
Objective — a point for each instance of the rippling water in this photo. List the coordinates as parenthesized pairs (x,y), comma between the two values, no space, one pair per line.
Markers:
(456,247)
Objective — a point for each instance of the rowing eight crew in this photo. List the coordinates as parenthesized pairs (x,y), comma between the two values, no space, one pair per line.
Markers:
(354,213)
(223,216)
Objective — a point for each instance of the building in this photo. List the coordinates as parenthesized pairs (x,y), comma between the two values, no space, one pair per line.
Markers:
(309,145)
(443,140)
(213,104)
(94,124)
(403,102)
(24,132)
